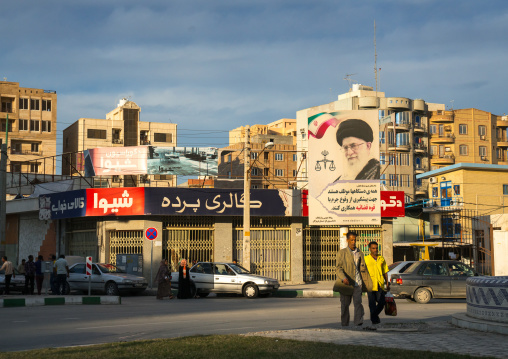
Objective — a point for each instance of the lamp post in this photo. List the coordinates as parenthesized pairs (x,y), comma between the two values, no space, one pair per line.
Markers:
(246,197)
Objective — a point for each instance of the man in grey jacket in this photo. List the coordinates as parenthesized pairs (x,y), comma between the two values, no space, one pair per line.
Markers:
(352,278)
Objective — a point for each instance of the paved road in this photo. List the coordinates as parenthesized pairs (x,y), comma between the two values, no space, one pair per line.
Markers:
(146,318)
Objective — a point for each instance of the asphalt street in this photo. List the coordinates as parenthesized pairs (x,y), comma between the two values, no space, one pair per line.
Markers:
(144,317)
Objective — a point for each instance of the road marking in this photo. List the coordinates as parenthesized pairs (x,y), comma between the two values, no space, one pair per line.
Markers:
(134,324)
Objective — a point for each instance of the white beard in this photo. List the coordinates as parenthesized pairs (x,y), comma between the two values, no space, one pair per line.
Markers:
(352,170)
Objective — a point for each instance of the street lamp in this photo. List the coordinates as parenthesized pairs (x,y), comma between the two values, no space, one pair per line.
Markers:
(246,197)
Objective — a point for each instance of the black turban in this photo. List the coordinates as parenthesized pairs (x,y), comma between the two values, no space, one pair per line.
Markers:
(354,128)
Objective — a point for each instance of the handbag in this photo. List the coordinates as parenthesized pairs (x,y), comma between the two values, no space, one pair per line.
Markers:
(390,306)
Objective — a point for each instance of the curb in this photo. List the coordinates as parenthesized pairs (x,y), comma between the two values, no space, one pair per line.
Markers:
(307,293)
(34,302)
(464,321)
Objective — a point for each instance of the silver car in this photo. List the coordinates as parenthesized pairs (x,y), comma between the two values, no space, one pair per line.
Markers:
(17,282)
(105,278)
(218,277)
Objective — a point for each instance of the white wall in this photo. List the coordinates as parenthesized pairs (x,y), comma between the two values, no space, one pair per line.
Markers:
(500,252)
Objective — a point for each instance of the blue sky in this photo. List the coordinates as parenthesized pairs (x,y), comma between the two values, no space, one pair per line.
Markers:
(216,65)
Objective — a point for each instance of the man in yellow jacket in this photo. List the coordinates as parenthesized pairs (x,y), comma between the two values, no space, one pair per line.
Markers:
(378,270)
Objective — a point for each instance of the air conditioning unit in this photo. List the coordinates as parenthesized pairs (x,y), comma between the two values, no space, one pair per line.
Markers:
(484,158)
(302,130)
(433,180)
(483,137)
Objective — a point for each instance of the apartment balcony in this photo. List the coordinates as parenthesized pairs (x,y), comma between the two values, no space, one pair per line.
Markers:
(450,204)
(505,163)
(421,191)
(420,128)
(421,169)
(502,142)
(401,148)
(444,138)
(502,123)
(368,102)
(25,152)
(442,118)
(117,141)
(419,148)
(400,103)
(145,143)
(400,126)
(419,105)
(443,160)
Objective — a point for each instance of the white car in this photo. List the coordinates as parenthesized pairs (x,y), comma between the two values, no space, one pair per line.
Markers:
(105,278)
(216,277)
(397,268)
(17,283)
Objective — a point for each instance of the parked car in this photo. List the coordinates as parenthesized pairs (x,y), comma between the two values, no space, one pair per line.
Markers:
(398,267)
(105,278)
(17,282)
(218,277)
(424,280)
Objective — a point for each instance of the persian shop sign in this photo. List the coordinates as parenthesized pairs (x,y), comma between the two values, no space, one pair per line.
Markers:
(130,201)
(392,204)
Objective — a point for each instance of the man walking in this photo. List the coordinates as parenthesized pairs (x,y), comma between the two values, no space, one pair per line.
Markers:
(39,274)
(352,279)
(30,275)
(61,269)
(378,270)
(9,273)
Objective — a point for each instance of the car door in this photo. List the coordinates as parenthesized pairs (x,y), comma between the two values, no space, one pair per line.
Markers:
(459,273)
(77,277)
(98,280)
(225,279)
(202,276)
(435,275)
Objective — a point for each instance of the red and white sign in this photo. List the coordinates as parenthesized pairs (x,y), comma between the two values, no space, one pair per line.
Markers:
(392,204)
(125,201)
(119,160)
(88,265)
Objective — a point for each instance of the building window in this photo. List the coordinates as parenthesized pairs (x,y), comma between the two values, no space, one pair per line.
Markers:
(393,180)
(46,126)
(403,139)
(404,180)
(482,150)
(254,186)
(34,168)
(433,150)
(434,191)
(97,134)
(279,157)
(463,150)
(462,129)
(253,155)
(435,229)
(505,189)
(482,130)
(265,172)
(499,153)
(16,167)
(391,158)
(22,125)
(4,125)
(382,158)
(35,147)
(295,173)
(383,179)
(23,104)
(46,105)
(432,129)
(34,105)
(7,106)
(456,190)
(295,157)
(227,158)
(163,137)
(404,159)
(382,138)
(229,174)
(255,171)
(279,173)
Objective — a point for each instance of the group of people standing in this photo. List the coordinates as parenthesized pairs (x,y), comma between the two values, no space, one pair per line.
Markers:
(163,280)
(357,273)
(34,273)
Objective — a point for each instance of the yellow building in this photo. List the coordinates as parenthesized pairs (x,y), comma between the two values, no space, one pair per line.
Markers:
(32,128)
(282,127)
(122,127)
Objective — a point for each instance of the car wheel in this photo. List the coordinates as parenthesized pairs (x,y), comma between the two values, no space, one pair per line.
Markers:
(422,296)
(203,295)
(250,291)
(111,288)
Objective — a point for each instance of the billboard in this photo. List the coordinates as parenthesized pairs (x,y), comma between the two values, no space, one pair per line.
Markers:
(392,204)
(344,170)
(61,205)
(153,160)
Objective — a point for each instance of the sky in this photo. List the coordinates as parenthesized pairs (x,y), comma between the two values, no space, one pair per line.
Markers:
(211,66)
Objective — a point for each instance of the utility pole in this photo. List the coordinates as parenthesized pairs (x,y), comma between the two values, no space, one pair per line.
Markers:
(3,187)
(246,201)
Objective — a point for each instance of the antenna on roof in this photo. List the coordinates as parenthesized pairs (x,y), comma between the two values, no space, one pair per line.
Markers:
(375,55)
(349,80)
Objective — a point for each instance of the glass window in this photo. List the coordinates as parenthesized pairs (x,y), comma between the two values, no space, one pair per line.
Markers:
(46,126)
(433,129)
(34,125)
(98,134)
(463,150)
(279,172)
(34,105)
(383,179)
(460,270)
(433,269)
(505,189)
(403,139)
(253,155)
(462,129)
(205,268)
(434,191)
(23,104)
(46,105)
(482,150)
(482,130)
(23,125)
(295,157)
(382,158)
(78,268)
(382,137)
(279,157)
(163,137)
(435,229)
(456,190)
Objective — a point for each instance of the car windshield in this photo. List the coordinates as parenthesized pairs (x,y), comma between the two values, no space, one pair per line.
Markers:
(238,269)
(393,265)
(109,268)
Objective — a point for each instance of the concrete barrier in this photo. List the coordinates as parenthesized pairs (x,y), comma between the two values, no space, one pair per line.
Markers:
(63,300)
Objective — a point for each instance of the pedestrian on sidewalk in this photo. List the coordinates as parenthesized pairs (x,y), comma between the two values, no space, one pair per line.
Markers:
(30,275)
(352,279)
(21,268)
(8,269)
(184,284)
(378,270)
(163,281)
(61,269)
(39,274)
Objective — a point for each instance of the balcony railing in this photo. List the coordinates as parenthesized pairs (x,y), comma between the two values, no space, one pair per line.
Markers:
(420,147)
(25,152)
(420,127)
(443,204)
(117,141)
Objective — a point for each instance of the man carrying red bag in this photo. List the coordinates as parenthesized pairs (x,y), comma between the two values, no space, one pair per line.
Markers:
(378,270)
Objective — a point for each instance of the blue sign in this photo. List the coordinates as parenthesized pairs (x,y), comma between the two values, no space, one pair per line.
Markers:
(68,204)
(151,233)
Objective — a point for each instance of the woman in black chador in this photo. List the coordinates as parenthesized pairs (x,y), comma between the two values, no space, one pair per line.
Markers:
(184,283)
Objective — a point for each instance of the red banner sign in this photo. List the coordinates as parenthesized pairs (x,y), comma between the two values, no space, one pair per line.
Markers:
(126,201)
(392,204)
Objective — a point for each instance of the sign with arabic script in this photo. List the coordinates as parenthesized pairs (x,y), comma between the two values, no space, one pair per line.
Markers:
(213,201)
(344,171)
(124,201)
(109,161)
(392,204)
(61,205)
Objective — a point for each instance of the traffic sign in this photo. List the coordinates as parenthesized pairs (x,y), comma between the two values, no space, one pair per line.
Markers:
(151,233)
(88,265)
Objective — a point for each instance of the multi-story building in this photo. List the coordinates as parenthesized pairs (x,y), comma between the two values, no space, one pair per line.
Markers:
(467,136)
(403,134)
(122,127)
(31,129)
(270,168)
